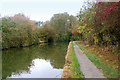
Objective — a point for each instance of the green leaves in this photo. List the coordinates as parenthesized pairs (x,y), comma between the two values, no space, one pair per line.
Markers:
(101,27)
(17,33)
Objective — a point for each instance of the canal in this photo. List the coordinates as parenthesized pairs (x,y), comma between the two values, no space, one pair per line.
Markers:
(38,61)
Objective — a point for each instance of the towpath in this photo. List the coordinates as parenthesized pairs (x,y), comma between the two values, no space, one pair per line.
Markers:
(88,69)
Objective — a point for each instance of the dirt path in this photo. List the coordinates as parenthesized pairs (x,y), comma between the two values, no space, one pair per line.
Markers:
(88,69)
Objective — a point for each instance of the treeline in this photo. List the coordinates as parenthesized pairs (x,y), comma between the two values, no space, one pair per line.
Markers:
(62,26)
(19,31)
(99,23)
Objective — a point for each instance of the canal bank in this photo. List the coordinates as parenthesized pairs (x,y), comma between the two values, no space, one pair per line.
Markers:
(71,67)
(90,65)
(22,46)
(66,69)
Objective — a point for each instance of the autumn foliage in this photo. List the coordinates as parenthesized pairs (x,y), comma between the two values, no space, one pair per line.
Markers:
(101,21)
(20,31)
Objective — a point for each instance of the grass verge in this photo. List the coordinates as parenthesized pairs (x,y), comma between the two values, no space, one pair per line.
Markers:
(108,70)
(74,66)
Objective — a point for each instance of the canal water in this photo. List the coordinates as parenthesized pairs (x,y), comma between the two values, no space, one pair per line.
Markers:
(38,61)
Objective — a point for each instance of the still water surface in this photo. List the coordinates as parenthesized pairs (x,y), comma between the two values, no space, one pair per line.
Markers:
(39,61)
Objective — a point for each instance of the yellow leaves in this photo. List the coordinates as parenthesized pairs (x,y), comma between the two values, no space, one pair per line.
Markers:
(95,39)
(89,30)
(81,29)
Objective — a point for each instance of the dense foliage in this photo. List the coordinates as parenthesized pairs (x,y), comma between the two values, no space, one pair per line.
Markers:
(19,31)
(99,23)
(63,25)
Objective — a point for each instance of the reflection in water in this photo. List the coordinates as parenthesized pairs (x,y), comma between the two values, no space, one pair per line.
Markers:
(40,69)
(40,61)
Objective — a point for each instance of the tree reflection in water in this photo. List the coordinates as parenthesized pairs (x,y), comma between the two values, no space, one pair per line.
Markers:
(20,61)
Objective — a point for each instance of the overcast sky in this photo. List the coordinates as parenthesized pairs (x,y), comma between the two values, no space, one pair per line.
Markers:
(40,10)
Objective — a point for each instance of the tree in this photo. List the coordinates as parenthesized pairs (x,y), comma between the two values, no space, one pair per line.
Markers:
(63,24)
(101,23)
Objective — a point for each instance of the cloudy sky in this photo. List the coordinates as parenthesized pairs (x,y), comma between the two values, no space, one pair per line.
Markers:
(40,10)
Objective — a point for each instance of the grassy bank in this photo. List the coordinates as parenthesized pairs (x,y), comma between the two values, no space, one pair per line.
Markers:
(108,70)
(71,67)
(74,67)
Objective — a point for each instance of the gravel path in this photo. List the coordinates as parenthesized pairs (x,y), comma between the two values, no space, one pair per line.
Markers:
(88,69)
